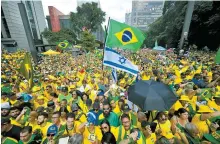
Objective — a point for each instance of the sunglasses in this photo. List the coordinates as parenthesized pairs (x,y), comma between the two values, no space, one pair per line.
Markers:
(96,109)
(51,135)
(105,108)
(104,128)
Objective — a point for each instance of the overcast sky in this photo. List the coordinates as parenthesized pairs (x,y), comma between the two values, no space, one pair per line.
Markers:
(115,9)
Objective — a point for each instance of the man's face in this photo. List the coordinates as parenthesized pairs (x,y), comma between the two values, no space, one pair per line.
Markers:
(40,120)
(113,105)
(14,113)
(48,89)
(4,127)
(106,110)
(147,131)
(74,95)
(56,119)
(63,104)
(126,123)
(25,137)
(4,112)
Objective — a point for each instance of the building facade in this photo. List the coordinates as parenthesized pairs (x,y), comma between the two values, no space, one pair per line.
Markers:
(144,13)
(13,34)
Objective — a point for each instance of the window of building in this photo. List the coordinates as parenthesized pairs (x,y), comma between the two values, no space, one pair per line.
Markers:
(5,25)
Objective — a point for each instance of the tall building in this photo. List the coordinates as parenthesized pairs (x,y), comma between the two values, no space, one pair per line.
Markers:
(144,13)
(13,34)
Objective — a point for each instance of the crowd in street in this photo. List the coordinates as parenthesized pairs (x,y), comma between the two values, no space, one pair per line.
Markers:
(74,100)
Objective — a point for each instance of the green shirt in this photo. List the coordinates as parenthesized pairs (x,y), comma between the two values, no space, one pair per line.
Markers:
(113,119)
(30,141)
(9,140)
(68,97)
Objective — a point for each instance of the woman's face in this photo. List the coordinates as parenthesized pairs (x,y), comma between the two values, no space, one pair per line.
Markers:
(184,116)
(84,97)
(105,128)
(163,119)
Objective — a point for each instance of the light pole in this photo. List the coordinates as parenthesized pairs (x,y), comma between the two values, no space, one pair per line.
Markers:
(187,21)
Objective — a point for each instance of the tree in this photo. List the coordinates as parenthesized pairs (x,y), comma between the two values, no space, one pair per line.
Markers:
(89,16)
(63,34)
(204,28)
(88,42)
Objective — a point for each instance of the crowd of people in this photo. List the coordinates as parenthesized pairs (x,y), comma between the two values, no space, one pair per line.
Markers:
(73,100)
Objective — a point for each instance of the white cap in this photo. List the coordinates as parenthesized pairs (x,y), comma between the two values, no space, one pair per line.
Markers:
(122,94)
(5,105)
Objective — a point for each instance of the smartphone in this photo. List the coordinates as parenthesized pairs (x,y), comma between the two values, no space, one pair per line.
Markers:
(153,126)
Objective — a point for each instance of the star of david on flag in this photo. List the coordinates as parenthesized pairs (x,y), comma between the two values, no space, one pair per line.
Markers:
(115,60)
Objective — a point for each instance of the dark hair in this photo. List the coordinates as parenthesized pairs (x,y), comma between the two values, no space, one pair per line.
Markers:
(159,114)
(26,129)
(64,100)
(78,93)
(121,100)
(125,116)
(105,121)
(108,138)
(106,102)
(134,130)
(63,109)
(70,115)
(43,114)
(83,95)
(14,108)
(54,95)
(57,112)
(180,111)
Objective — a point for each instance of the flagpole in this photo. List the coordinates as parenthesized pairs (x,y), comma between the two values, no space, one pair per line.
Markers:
(106,31)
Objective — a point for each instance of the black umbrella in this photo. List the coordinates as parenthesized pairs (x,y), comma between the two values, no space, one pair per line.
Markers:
(151,95)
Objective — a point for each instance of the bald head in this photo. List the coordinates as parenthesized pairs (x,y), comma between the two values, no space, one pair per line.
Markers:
(141,116)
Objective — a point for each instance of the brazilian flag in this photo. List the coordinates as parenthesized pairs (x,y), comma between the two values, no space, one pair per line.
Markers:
(124,36)
(64,44)
(217,58)
(26,69)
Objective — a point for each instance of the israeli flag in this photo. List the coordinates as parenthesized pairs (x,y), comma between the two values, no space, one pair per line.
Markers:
(115,60)
(114,75)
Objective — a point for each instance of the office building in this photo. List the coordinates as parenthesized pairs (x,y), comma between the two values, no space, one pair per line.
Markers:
(144,13)
(13,34)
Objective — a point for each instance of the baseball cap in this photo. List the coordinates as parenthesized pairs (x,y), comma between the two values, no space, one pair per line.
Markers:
(125,108)
(88,102)
(101,93)
(5,105)
(53,129)
(122,94)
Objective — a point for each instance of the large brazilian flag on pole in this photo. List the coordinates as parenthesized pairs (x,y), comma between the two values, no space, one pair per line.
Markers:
(124,36)
(26,70)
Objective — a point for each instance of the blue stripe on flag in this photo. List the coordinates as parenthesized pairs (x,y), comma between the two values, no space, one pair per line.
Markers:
(120,66)
(111,50)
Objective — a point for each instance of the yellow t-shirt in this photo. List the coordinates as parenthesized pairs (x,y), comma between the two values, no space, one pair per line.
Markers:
(165,128)
(176,105)
(201,125)
(152,139)
(34,126)
(90,138)
(74,130)
(45,128)
(14,122)
(82,118)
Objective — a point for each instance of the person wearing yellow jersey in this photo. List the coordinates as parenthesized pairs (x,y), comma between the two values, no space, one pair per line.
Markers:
(14,113)
(4,97)
(133,117)
(13,99)
(91,133)
(76,99)
(201,119)
(80,116)
(32,121)
(43,124)
(64,104)
(141,117)
(148,130)
(122,132)
(192,98)
(40,102)
(114,106)
(163,124)
(48,91)
(72,126)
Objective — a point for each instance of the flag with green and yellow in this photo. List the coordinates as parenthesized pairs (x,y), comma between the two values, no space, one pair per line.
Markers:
(124,36)
(26,69)
(217,57)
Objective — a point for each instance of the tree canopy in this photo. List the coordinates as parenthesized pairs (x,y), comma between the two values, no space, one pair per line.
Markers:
(88,42)
(89,15)
(204,29)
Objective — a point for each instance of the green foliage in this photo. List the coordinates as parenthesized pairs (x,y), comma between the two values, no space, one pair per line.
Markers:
(88,42)
(63,34)
(89,16)
(204,28)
